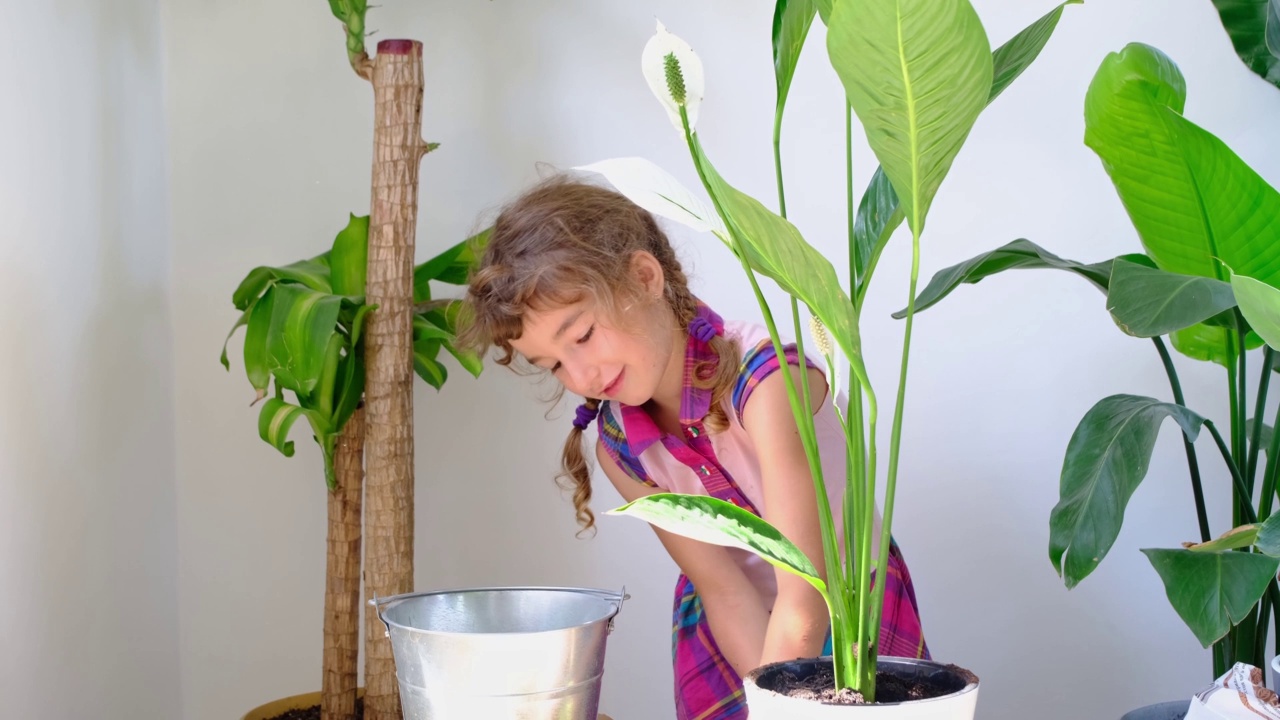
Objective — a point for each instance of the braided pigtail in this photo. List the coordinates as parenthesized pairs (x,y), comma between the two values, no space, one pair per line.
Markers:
(575,473)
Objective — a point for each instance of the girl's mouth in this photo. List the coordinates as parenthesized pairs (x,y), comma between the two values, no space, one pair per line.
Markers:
(612,387)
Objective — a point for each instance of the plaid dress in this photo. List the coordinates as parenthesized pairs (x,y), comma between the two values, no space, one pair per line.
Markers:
(706,686)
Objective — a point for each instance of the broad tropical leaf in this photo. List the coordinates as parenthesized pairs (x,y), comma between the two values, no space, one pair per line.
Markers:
(917,73)
(277,418)
(1269,536)
(1212,591)
(776,249)
(349,259)
(1254,29)
(1148,302)
(313,273)
(1260,305)
(1106,460)
(878,211)
(791,21)
(1233,539)
(302,321)
(1264,436)
(1210,343)
(1017,255)
(1194,202)
(1012,58)
(721,523)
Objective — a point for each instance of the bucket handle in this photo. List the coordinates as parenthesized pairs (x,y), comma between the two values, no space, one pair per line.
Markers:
(617,598)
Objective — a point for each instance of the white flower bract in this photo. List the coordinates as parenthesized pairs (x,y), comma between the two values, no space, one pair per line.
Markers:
(653,63)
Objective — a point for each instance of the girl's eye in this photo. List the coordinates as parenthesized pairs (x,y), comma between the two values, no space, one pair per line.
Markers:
(587,337)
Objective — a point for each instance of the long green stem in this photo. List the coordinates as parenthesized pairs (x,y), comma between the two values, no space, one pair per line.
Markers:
(1259,407)
(1233,390)
(804,424)
(1193,463)
(857,477)
(1237,480)
(1269,478)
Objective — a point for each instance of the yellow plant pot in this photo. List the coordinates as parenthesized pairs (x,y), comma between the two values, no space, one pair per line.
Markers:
(283,705)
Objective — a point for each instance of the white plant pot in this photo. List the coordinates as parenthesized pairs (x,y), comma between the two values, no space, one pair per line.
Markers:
(764,704)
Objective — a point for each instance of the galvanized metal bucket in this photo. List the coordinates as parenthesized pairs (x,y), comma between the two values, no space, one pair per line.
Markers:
(507,652)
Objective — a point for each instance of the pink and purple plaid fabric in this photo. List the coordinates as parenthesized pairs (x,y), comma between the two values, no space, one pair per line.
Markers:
(706,686)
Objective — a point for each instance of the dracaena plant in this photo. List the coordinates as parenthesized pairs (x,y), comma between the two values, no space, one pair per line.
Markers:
(303,338)
(1210,228)
(303,333)
(917,73)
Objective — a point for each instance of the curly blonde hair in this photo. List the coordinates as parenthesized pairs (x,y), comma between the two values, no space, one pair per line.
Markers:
(565,241)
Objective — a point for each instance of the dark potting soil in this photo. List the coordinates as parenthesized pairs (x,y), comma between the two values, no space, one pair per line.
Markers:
(820,686)
(313,713)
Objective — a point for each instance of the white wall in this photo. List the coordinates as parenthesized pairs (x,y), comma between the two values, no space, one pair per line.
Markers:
(88,591)
(270,139)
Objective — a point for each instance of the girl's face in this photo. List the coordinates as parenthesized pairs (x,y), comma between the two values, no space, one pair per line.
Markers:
(625,359)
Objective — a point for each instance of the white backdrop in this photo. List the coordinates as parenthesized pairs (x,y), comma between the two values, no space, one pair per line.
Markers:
(270,142)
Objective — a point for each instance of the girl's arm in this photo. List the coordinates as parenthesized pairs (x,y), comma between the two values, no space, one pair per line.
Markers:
(800,619)
(733,607)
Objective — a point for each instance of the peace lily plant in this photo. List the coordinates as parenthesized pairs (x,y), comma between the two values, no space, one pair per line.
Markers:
(1210,228)
(917,73)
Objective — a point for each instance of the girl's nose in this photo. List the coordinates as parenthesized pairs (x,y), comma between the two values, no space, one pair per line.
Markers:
(585,376)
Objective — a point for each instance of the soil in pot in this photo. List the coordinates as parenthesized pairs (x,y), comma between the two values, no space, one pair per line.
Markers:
(819,684)
(313,713)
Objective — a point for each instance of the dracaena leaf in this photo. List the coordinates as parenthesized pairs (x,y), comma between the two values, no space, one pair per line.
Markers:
(302,321)
(276,419)
(313,273)
(349,258)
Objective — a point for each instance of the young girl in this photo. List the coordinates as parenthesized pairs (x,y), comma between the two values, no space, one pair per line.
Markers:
(580,282)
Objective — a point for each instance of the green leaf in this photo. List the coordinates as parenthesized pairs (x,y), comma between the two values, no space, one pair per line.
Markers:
(1017,255)
(1106,459)
(824,9)
(428,368)
(351,373)
(1194,202)
(1264,438)
(714,521)
(1147,302)
(879,213)
(351,13)
(244,320)
(1012,58)
(917,73)
(1210,343)
(1269,536)
(276,419)
(1260,305)
(349,259)
(791,21)
(313,273)
(1212,591)
(1235,538)
(451,266)
(1254,29)
(776,249)
(257,365)
(446,316)
(302,321)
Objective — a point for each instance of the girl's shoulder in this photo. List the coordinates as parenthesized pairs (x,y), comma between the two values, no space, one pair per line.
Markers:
(759,359)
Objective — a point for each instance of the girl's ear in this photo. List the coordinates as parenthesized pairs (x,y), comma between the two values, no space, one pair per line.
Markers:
(647,272)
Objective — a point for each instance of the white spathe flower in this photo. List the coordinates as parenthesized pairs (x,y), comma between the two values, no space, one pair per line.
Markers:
(683,65)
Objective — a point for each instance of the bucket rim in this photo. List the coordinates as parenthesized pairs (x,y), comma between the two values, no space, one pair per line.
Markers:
(617,598)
